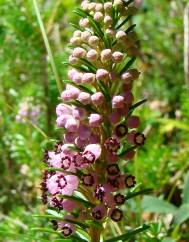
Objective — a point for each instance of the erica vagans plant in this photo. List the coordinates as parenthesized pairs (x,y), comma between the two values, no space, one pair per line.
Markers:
(85,179)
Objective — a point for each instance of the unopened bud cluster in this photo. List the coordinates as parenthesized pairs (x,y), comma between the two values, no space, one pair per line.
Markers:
(95,115)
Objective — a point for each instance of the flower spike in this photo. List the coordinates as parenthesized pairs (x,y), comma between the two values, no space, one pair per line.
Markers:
(96,116)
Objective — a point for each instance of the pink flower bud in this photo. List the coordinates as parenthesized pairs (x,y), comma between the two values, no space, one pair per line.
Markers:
(121,35)
(99,7)
(118,102)
(85,36)
(77,78)
(61,120)
(98,16)
(127,77)
(97,98)
(133,122)
(75,40)
(77,33)
(84,98)
(108,6)
(94,41)
(106,55)
(63,109)
(79,52)
(95,120)
(84,23)
(88,78)
(110,32)
(69,95)
(71,74)
(108,20)
(72,125)
(92,55)
(85,5)
(91,6)
(117,56)
(102,75)
(73,60)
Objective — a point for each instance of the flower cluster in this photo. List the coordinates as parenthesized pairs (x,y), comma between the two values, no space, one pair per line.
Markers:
(96,117)
(28,110)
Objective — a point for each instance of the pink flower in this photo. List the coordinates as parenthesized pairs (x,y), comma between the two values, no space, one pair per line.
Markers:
(84,132)
(115,117)
(71,73)
(62,120)
(94,149)
(130,154)
(97,98)
(84,98)
(117,56)
(66,228)
(69,205)
(94,139)
(79,52)
(99,212)
(106,55)
(63,109)
(69,137)
(92,55)
(102,75)
(128,97)
(88,78)
(72,125)
(77,78)
(133,122)
(79,113)
(62,184)
(81,143)
(98,16)
(95,120)
(118,102)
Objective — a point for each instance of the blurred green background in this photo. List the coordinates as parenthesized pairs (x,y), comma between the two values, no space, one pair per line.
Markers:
(26,77)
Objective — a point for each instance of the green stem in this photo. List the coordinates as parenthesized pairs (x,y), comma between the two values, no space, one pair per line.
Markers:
(95,234)
(47,45)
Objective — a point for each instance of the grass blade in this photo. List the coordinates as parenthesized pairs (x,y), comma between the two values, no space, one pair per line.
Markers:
(124,21)
(141,192)
(129,234)
(47,45)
